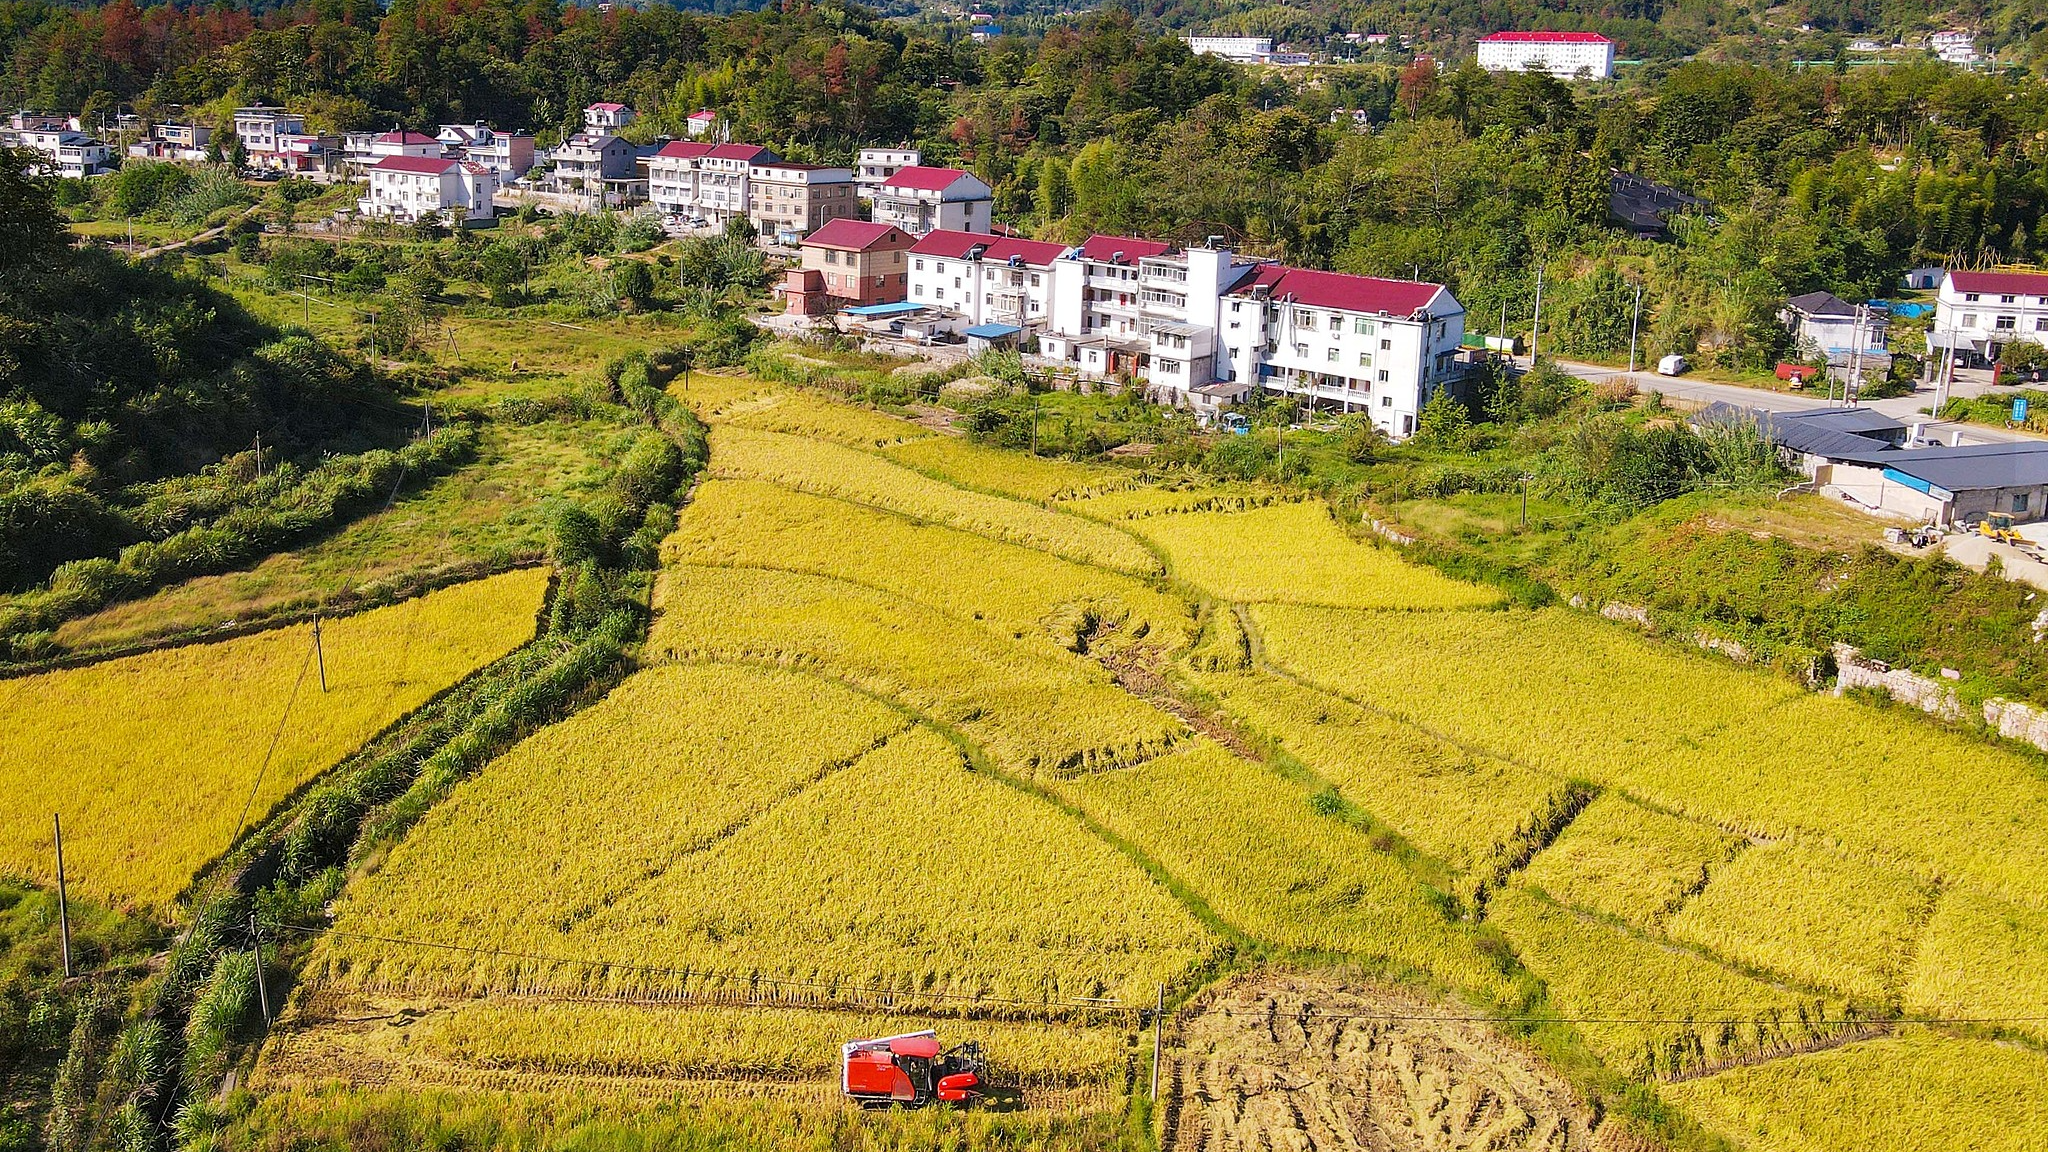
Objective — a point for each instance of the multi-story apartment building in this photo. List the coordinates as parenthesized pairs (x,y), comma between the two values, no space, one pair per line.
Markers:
(406,188)
(399,142)
(509,154)
(66,151)
(876,165)
(265,133)
(985,279)
(723,176)
(788,202)
(1238,49)
(1565,55)
(672,176)
(849,263)
(587,161)
(1955,47)
(1979,313)
(1203,326)
(173,141)
(920,200)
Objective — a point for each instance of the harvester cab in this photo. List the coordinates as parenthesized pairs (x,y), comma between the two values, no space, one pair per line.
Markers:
(1998,526)
(910,1071)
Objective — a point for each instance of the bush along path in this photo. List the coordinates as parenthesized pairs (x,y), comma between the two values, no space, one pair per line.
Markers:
(156,1051)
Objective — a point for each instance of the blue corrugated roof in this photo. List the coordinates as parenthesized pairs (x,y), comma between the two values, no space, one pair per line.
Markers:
(896,309)
(993,331)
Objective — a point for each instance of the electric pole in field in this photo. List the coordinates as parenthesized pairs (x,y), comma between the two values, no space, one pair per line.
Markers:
(1158,1014)
(1635,323)
(63,906)
(1536,323)
(319,653)
(262,985)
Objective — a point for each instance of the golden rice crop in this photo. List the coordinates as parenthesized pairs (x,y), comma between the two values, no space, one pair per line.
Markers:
(1596,970)
(1250,846)
(754,524)
(1296,554)
(1223,645)
(850,474)
(1574,695)
(1035,707)
(1623,860)
(1010,473)
(1983,957)
(1460,808)
(683,755)
(1905,1093)
(150,758)
(1811,916)
(805,413)
(682,1041)
(714,395)
(1192,495)
(902,870)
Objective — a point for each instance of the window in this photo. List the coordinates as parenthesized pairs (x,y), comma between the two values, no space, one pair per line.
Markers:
(920,265)
(1169,366)
(1034,279)
(938,293)
(1331,356)
(1386,345)
(1301,349)
(1969,297)
(1304,320)
(2007,323)
(1362,327)
(941,268)
(1336,322)
(832,257)
(1365,359)
(1383,375)
(1386,401)
(956,279)
(2019,502)
(2007,299)
(1969,319)
(2041,324)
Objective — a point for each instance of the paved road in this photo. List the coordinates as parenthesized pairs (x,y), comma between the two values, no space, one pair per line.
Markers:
(1904,409)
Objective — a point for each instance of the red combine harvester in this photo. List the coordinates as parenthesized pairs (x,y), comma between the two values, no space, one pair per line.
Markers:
(910,1071)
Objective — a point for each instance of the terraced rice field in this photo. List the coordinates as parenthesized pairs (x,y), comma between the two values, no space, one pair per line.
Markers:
(926,733)
(151,759)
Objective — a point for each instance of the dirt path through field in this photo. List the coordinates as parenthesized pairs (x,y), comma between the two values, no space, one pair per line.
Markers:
(1282,1061)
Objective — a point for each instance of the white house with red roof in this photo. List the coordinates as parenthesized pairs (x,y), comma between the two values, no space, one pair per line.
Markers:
(1565,55)
(606,117)
(672,176)
(700,123)
(985,280)
(407,188)
(918,200)
(1203,326)
(399,142)
(1979,313)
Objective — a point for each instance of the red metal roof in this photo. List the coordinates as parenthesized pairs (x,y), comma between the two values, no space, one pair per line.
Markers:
(685,149)
(955,246)
(1340,290)
(405,138)
(608,106)
(1104,248)
(2002,283)
(747,152)
(856,235)
(918,178)
(703,114)
(425,165)
(1545,38)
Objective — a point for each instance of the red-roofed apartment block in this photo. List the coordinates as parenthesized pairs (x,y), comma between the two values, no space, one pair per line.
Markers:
(918,200)
(1978,313)
(408,188)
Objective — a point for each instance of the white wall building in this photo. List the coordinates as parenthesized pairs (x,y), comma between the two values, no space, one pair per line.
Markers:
(65,151)
(399,142)
(1239,49)
(1982,312)
(1204,326)
(607,117)
(985,279)
(1565,55)
(1955,47)
(920,200)
(876,165)
(405,188)
(263,131)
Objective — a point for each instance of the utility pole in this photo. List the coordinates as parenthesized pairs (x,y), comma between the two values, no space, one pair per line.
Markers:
(1945,377)
(1034,427)
(63,905)
(1525,502)
(1635,324)
(262,986)
(1854,385)
(1536,324)
(1158,1013)
(259,456)
(319,653)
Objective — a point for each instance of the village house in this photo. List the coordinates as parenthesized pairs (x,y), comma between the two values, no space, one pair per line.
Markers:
(1978,313)
(920,200)
(850,263)
(700,123)
(509,154)
(277,141)
(66,152)
(1823,325)
(181,141)
(1203,327)
(876,165)
(408,188)
(1564,55)
(980,280)
(787,202)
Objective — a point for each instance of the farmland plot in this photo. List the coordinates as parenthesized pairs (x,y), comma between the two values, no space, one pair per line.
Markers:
(151,758)
(1033,478)
(802,413)
(1981,957)
(1635,864)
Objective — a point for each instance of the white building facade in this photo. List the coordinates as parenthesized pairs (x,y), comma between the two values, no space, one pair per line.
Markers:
(1203,326)
(407,188)
(66,152)
(1238,49)
(921,200)
(1564,55)
(985,279)
(876,165)
(1982,312)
